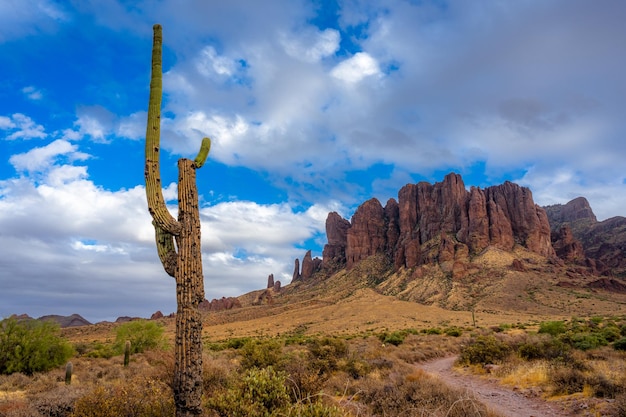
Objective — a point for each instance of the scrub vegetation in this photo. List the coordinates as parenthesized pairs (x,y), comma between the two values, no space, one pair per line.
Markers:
(578,361)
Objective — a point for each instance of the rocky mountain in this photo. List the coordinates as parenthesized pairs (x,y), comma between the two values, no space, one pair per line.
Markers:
(602,243)
(440,223)
(458,248)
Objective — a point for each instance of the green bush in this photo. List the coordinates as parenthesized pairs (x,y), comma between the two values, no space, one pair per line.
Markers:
(327,353)
(543,348)
(142,334)
(31,346)
(585,341)
(484,350)
(620,344)
(553,328)
(394,338)
(453,331)
(260,353)
(611,333)
(261,393)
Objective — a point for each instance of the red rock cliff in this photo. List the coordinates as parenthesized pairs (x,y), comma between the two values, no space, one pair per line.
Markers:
(433,222)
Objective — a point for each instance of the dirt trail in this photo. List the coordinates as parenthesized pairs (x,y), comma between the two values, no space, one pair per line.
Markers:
(500,399)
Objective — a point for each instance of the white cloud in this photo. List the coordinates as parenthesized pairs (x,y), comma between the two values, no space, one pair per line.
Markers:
(311,45)
(42,158)
(356,68)
(21,127)
(95,242)
(209,63)
(19,18)
(32,93)
(133,126)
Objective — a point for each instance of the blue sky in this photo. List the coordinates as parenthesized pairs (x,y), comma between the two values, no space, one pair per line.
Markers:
(313,106)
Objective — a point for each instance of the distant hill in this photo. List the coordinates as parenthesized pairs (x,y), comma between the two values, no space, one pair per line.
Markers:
(74,320)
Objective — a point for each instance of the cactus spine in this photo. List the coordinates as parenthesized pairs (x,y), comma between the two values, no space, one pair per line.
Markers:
(126,353)
(178,246)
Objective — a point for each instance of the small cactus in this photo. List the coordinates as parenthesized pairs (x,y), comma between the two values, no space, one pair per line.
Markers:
(126,353)
(68,373)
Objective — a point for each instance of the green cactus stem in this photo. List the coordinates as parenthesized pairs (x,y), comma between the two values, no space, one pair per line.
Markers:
(68,373)
(126,353)
(178,246)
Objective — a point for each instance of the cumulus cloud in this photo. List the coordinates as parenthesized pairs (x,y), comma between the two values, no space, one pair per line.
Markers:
(19,126)
(311,45)
(42,158)
(356,68)
(98,245)
(28,16)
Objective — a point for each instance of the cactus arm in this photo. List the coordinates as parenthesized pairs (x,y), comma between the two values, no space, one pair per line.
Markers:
(154,193)
(166,249)
(205,147)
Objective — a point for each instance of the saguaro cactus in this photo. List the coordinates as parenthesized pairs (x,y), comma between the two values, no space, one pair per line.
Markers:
(178,246)
(126,353)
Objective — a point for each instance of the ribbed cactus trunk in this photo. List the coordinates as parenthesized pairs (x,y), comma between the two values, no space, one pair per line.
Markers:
(178,246)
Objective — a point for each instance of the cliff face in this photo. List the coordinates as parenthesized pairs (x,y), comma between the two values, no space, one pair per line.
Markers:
(604,243)
(442,223)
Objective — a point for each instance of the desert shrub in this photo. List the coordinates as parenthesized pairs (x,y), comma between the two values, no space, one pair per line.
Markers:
(260,353)
(135,398)
(553,328)
(418,394)
(453,331)
(261,392)
(394,338)
(566,380)
(304,379)
(314,409)
(584,341)
(18,408)
(101,350)
(483,350)
(355,366)
(31,346)
(620,344)
(543,348)
(142,334)
(57,402)
(217,374)
(603,387)
(432,330)
(610,333)
(326,353)
(620,405)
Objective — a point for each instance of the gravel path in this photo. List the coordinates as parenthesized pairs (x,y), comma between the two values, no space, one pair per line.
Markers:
(501,399)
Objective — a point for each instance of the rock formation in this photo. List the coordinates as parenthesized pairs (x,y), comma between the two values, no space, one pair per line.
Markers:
(296,270)
(310,266)
(566,246)
(334,253)
(604,242)
(224,303)
(574,211)
(442,223)
(270,281)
